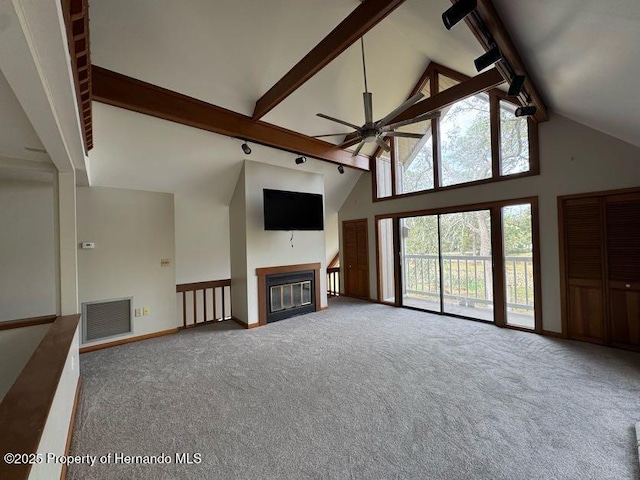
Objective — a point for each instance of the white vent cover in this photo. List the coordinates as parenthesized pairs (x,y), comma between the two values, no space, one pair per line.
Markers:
(106,318)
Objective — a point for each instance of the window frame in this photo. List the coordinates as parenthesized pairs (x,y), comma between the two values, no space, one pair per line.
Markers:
(496,96)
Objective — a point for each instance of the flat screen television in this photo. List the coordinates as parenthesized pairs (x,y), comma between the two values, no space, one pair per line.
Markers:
(292,210)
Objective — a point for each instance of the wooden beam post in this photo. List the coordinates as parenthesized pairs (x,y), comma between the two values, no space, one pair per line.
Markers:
(367,15)
(125,92)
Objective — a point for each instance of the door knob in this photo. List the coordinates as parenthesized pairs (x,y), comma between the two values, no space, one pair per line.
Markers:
(628,285)
(349,266)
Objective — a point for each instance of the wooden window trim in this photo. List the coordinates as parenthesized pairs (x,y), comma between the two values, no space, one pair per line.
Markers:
(431,73)
(496,250)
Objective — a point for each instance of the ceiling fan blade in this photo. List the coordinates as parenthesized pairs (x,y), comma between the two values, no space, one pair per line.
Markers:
(399,110)
(357,151)
(368,107)
(403,134)
(327,117)
(418,119)
(331,135)
(382,144)
(349,143)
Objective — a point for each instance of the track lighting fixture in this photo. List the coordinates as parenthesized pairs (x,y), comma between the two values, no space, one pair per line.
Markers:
(489,58)
(517,82)
(341,169)
(246,148)
(301,159)
(457,12)
(527,111)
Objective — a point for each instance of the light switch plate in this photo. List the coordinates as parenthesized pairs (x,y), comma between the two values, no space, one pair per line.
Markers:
(146,311)
(165,262)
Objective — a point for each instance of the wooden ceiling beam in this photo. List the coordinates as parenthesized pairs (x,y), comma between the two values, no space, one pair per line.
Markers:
(367,15)
(129,93)
(486,19)
(478,84)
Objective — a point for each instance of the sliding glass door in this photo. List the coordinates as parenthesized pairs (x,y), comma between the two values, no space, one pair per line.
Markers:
(443,261)
(466,264)
(420,262)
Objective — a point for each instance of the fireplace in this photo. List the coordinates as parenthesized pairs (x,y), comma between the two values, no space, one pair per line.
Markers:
(287,291)
(290,294)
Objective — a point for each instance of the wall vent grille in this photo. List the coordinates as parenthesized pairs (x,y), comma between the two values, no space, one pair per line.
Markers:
(106,318)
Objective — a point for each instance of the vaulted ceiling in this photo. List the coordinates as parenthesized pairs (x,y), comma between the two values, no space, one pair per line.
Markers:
(581,55)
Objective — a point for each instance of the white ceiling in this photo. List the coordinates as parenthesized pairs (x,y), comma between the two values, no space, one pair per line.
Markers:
(585,63)
(16,132)
(585,58)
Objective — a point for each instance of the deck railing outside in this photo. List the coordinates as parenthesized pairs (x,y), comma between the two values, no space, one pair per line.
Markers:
(468,279)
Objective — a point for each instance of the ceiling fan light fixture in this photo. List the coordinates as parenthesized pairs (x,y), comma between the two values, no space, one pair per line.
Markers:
(517,82)
(341,169)
(301,159)
(527,111)
(488,58)
(457,12)
(246,148)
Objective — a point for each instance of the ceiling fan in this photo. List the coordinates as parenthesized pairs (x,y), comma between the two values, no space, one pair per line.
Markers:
(376,131)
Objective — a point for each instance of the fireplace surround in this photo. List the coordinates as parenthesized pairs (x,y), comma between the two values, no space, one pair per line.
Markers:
(287,291)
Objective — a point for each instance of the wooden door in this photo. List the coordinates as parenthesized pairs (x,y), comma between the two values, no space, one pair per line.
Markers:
(356,258)
(623,268)
(584,269)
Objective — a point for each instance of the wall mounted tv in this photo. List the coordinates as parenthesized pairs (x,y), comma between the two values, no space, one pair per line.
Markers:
(292,210)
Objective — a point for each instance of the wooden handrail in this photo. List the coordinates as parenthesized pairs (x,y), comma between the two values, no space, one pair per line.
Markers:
(204,286)
(334,263)
(27,322)
(26,406)
(188,287)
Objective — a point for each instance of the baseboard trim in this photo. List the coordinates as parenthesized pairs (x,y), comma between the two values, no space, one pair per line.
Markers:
(322,309)
(116,343)
(72,421)
(244,325)
(549,333)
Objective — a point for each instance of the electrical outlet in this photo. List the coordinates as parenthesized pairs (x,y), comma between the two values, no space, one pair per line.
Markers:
(138,312)
(165,262)
(146,311)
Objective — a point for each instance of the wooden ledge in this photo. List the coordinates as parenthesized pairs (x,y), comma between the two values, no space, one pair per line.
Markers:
(27,322)
(25,408)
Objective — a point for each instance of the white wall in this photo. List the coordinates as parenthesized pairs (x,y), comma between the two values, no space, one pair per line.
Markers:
(28,248)
(54,435)
(202,238)
(273,248)
(133,231)
(574,158)
(16,347)
(331,235)
(238,250)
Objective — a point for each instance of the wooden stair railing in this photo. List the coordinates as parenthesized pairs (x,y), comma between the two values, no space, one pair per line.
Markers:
(221,288)
(333,282)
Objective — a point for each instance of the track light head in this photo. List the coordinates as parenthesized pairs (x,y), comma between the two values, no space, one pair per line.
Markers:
(488,58)
(517,82)
(457,12)
(301,159)
(246,148)
(341,169)
(527,111)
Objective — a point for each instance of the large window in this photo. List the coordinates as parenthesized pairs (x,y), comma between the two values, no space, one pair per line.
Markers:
(465,141)
(477,139)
